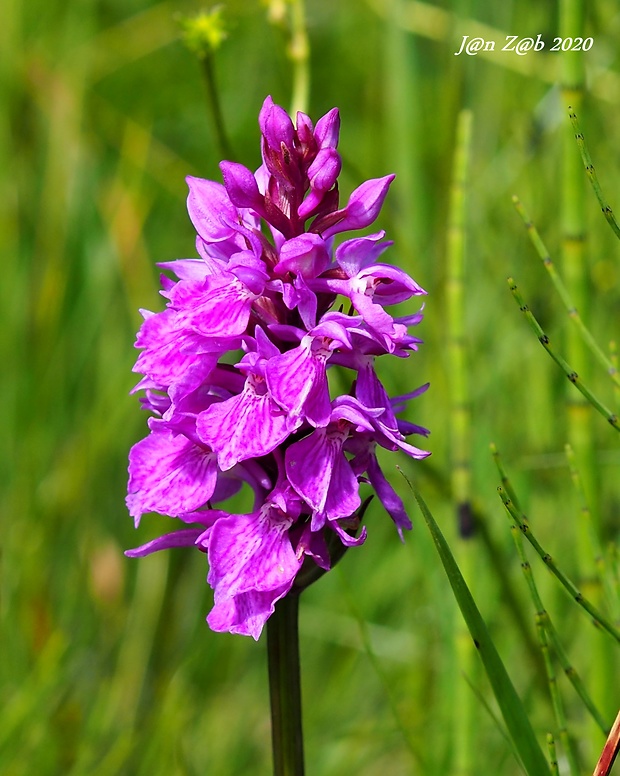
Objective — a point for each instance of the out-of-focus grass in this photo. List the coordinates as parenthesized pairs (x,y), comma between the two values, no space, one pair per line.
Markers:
(107,666)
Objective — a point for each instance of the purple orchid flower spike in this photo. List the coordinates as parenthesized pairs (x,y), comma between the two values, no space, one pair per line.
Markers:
(239,366)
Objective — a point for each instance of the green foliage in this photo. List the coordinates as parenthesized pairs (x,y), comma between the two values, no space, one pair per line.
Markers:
(514,713)
(107,665)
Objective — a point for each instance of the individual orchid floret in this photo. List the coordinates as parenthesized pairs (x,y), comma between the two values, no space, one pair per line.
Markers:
(252,563)
(317,468)
(241,186)
(297,379)
(248,425)
(169,474)
(327,130)
(322,173)
(306,255)
(220,305)
(207,203)
(262,374)
(361,210)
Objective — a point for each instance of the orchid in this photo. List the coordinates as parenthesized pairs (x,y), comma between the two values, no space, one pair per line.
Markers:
(237,372)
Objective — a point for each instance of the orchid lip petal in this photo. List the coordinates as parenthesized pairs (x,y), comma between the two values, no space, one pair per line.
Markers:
(169,474)
(248,425)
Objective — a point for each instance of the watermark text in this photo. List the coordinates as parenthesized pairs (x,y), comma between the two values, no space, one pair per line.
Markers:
(522,46)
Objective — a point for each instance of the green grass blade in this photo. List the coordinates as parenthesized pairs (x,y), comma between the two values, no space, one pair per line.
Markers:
(513,712)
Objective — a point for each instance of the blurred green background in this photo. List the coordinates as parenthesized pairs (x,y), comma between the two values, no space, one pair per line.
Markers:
(107,664)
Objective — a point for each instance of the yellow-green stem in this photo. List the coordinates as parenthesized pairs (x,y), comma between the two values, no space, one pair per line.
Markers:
(460,465)
(299,54)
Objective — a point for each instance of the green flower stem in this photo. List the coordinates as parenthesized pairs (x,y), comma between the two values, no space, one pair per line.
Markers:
(213,100)
(572,590)
(455,302)
(610,416)
(572,18)
(203,35)
(572,87)
(285,687)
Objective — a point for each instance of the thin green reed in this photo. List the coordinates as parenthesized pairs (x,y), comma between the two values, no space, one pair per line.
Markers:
(598,619)
(547,634)
(568,370)
(591,173)
(613,357)
(556,698)
(572,21)
(460,438)
(553,760)
(565,296)
(401,105)
(290,18)
(419,754)
(543,619)
(597,554)
(299,54)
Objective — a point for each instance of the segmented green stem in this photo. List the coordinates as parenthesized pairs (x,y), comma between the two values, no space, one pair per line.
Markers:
(459,389)
(564,294)
(542,621)
(592,537)
(299,54)
(591,173)
(598,618)
(575,271)
(542,616)
(613,357)
(556,698)
(570,373)
(460,444)
(553,759)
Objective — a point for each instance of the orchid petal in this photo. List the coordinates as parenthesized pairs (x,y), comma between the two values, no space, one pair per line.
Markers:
(169,474)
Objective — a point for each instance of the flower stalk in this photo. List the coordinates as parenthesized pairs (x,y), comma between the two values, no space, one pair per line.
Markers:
(285,687)
(203,35)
